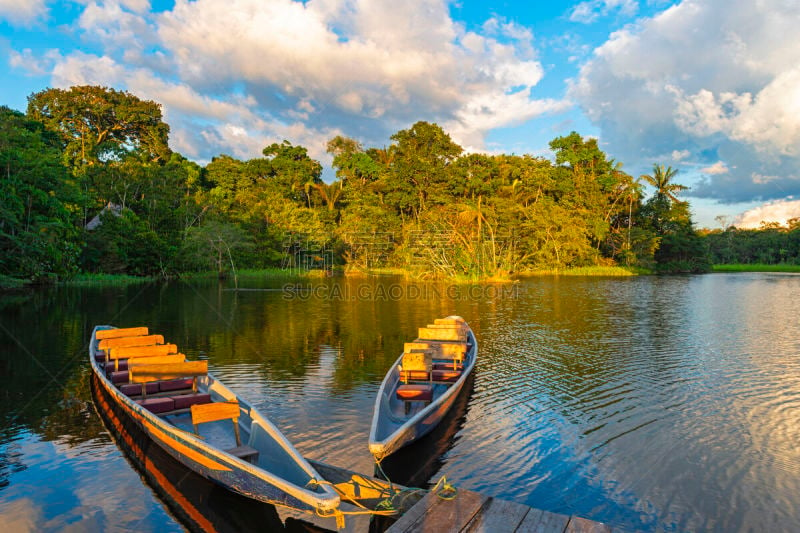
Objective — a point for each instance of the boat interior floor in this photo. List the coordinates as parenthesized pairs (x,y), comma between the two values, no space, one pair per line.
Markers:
(406,409)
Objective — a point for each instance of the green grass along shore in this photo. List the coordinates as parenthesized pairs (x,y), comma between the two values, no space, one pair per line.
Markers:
(103,280)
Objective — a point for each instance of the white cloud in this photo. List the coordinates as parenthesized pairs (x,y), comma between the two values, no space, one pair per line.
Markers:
(31,64)
(589,11)
(279,67)
(717,78)
(717,168)
(201,125)
(780,211)
(22,12)
(680,155)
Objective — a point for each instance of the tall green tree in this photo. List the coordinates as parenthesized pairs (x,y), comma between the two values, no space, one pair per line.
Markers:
(419,167)
(38,210)
(99,124)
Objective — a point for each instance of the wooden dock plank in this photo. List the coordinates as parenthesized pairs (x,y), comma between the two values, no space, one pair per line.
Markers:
(439,515)
(498,515)
(582,525)
(538,521)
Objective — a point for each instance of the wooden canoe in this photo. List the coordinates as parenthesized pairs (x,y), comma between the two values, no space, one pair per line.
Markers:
(411,401)
(231,444)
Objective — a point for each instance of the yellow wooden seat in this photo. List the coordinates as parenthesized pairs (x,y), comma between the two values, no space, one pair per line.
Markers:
(415,366)
(120,332)
(140,340)
(449,351)
(212,412)
(146,373)
(156,360)
(126,352)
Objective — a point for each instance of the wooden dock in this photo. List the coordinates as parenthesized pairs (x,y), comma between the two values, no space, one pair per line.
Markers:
(468,512)
(471,512)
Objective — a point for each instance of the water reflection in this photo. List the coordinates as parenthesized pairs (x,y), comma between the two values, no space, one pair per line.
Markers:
(199,504)
(657,403)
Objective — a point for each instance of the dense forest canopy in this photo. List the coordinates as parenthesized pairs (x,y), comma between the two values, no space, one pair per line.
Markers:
(421,203)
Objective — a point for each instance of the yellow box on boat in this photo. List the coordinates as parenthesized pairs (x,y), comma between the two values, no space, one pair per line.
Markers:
(440,350)
(417,361)
(442,334)
(450,320)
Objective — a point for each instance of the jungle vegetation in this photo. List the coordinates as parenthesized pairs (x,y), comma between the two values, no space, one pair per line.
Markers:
(90,185)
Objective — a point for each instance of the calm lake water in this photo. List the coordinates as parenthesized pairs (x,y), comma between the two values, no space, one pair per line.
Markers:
(652,403)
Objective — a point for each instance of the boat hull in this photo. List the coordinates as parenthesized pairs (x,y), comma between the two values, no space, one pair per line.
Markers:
(211,463)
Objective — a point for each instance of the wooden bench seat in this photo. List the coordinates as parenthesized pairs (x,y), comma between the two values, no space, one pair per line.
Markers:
(104,334)
(212,412)
(147,373)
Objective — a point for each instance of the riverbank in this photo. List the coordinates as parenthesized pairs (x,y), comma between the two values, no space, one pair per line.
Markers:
(589,271)
(608,271)
(755,267)
(102,280)
(106,280)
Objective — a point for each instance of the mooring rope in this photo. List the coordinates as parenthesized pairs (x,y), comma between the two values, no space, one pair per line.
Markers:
(389,506)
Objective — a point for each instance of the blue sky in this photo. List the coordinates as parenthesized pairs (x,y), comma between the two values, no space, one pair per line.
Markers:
(709,87)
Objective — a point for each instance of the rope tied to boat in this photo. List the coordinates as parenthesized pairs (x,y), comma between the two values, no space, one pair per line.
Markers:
(389,506)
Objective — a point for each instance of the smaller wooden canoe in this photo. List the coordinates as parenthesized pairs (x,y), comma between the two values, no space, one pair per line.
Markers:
(202,423)
(422,384)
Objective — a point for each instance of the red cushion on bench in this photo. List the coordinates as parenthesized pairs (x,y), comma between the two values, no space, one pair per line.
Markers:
(446,375)
(135,389)
(176,384)
(419,393)
(157,405)
(187,400)
(100,356)
(119,377)
(123,365)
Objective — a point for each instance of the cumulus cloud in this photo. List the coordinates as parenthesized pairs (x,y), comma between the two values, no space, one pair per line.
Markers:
(717,168)
(309,69)
(780,211)
(717,78)
(202,125)
(23,13)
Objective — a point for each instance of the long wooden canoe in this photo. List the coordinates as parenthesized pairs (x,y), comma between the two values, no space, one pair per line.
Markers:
(422,385)
(202,424)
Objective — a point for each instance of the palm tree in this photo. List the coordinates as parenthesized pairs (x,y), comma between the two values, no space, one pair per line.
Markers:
(330,193)
(662,181)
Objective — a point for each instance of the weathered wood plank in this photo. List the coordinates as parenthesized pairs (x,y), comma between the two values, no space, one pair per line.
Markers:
(143,351)
(537,521)
(120,332)
(440,515)
(582,525)
(146,373)
(410,517)
(498,515)
(142,340)
(156,360)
